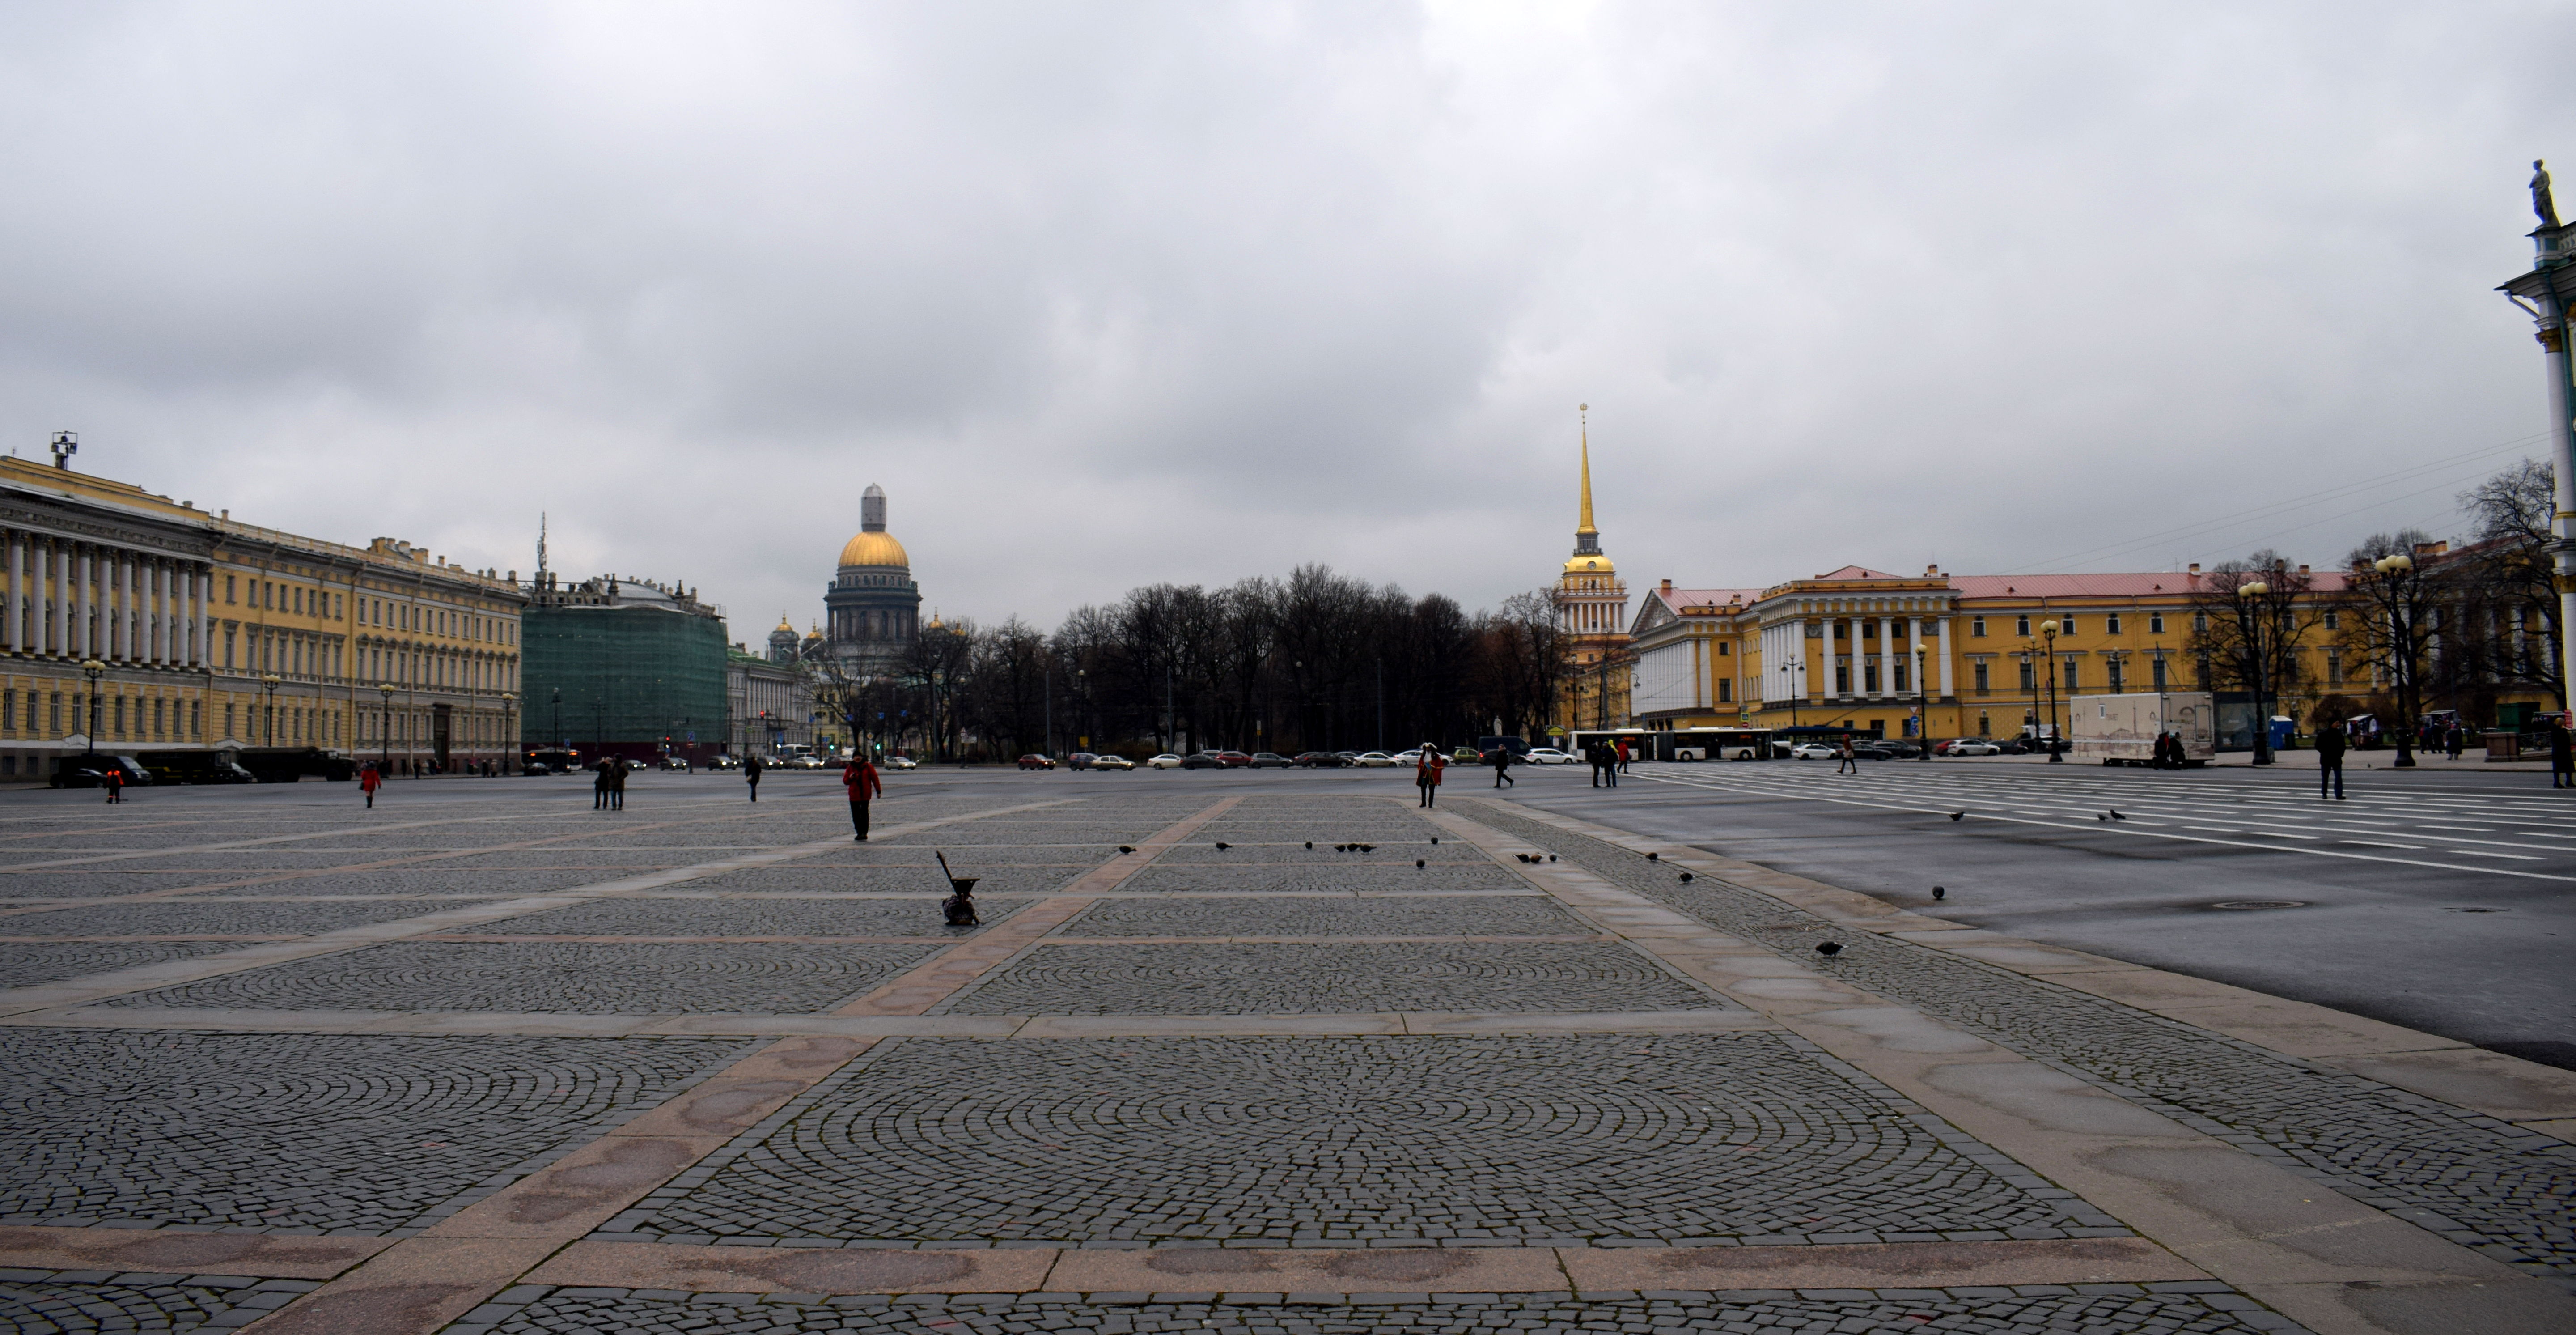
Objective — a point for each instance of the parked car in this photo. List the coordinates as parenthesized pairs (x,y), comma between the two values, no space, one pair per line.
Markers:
(193,767)
(1036,761)
(1112,762)
(725,762)
(1079,760)
(1374,760)
(1320,760)
(1203,760)
(1967,746)
(1165,761)
(1348,757)
(91,771)
(1813,751)
(900,762)
(1545,755)
(1409,758)
(1235,759)
(1888,748)
(1269,760)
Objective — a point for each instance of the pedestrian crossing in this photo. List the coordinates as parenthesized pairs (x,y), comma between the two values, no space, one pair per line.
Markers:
(2516,834)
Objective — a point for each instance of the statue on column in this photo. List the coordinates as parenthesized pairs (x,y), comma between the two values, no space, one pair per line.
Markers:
(2541,203)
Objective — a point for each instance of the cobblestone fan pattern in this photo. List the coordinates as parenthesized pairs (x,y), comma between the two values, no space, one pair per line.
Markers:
(1073,859)
(26,964)
(2082,1309)
(1034,831)
(2473,1179)
(1294,1141)
(333,1132)
(1287,978)
(903,879)
(77,1302)
(1354,877)
(1331,915)
(216,917)
(561,977)
(738,916)
(84,883)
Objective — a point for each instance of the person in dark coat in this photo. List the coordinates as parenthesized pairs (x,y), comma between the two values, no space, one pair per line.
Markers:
(1426,773)
(1592,757)
(2330,762)
(751,769)
(1502,767)
(860,779)
(599,783)
(617,785)
(2562,754)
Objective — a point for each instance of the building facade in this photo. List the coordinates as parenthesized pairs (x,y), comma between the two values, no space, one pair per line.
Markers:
(766,697)
(1592,622)
(205,633)
(873,607)
(620,666)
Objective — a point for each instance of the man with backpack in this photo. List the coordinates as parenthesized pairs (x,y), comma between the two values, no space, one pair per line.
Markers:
(860,779)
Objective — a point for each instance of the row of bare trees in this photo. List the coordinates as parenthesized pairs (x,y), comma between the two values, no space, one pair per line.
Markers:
(2408,625)
(1317,661)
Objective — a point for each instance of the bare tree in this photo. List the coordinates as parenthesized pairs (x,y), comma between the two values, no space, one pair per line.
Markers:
(2250,620)
(2395,594)
(2508,622)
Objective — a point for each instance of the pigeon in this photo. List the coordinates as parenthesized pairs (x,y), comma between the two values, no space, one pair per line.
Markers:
(1435,839)
(1223,844)
(1686,878)
(1123,848)
(1551,857)
(1654,857)
(1956,815)
(1310,845)
(1939,893)
(1829,948)
(1341,848)
(1368,848)
(2117,816)
(1417,863)
(2099,816)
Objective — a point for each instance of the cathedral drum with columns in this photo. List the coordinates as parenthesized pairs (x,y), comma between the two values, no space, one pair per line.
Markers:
(873,606)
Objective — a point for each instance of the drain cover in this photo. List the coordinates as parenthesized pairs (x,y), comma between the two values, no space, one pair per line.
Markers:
(2260,904)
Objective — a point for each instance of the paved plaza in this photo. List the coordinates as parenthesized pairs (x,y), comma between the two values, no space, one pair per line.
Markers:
(1227,1053)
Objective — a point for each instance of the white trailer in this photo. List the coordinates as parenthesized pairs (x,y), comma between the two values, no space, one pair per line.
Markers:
(2122,729)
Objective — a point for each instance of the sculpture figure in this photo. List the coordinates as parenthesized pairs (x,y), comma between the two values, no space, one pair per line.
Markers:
(2541,203)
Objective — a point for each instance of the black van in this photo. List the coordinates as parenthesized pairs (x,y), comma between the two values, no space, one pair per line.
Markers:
(92,771)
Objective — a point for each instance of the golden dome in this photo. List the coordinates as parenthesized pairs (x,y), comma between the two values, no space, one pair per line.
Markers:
(1590,565)
(782,625)
(874,548)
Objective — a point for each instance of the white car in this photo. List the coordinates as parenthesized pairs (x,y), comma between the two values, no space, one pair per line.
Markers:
(1812,751)
(1164,761)
(1408,759)
(1969,746)
(1374,760)
(901,762)
(1112,762)
(1545,755)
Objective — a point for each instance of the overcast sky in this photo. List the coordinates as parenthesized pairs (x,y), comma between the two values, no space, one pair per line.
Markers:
(1116,293)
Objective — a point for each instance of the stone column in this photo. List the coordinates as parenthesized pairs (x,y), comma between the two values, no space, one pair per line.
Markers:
(85,606)
(17,592)
(47,603)
(127,622)
(1949,691)
(1886,656)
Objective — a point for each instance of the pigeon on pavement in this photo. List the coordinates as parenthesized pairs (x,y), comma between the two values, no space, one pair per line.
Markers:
(1955,815)
(1223,844)
(1939,893)
(1125,849)
(1829,948)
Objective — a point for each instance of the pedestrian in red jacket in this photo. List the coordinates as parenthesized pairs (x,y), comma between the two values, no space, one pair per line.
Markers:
(860,778)
(368,782)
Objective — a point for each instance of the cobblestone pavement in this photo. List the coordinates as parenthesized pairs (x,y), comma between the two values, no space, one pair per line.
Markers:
(1326,878)
(1331,978)
(1331,915)
(76,1302)
(25,964)
(214,917)
(2479,1181)
(2088,1309)
(571,977)
(913,915)
(1665,1138)
(362,1134)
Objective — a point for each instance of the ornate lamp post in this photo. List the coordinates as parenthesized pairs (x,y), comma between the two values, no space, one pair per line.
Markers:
(2252,619)
(385,728)
(2048,657)
(1923,705)
(509,729)
(270,683)
(95,669)
(1793,683)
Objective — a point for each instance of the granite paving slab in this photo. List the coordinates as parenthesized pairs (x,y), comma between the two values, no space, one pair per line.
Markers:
(1354,877)
(738,916)
(26,964)
(1330,979)
(215,917)
(1330,915)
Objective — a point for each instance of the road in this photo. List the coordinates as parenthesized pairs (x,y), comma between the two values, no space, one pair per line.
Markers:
(2441,901)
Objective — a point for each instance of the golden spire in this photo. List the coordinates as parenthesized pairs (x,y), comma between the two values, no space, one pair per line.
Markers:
(1586,426)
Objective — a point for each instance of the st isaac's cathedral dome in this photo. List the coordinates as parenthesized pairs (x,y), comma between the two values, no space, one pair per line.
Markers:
(873,606)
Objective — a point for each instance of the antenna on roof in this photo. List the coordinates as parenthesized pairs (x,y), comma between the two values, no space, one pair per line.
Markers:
(65,445)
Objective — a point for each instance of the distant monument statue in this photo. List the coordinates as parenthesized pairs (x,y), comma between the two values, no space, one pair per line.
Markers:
(2541,203)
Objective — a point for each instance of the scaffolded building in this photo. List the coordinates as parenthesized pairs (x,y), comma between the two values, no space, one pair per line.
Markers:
(620,666)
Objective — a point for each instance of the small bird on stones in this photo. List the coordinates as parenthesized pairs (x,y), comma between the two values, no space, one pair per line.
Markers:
(2100,817)
(1654,857)
(1829,948)
(1310,844)
(1341,848)
(1368,848)
(1939,893)
(1123,848)
(1956,815)
(1223,844)
(2117,816)
(1551,857)
(1418,863)
(1435,839)
(1686,878)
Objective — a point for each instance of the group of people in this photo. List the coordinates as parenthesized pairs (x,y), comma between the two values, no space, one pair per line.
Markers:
(2168,751)
(1609,760)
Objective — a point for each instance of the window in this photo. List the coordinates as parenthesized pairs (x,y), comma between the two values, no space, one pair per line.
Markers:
(2070,674)
(228,589)
(1869,678)
(1725,691)
(56,712)
(2066,626)
(1842,678)
(2029,680)
(2334,620)
(2200,670)
(2200,623)
(1979,673)
(228,721)
(2021,625)
(2334,665)
(1724,648)
(1901,678)
(1842,630)
(2111,625)
(1868,629)
(1976,628)
(197,718)
(2111,674)
(229,636)
(2155,623)
(2160,674)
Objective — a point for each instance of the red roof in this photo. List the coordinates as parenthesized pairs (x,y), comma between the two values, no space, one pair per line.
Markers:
(2148,584)
(1859,572)
(1677,599)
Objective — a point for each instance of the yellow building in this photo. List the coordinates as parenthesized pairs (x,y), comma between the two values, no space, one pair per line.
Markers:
(1592,622)
(133,622)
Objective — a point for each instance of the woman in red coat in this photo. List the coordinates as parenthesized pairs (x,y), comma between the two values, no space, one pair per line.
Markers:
(1426,773)
(368,782)
(860,778)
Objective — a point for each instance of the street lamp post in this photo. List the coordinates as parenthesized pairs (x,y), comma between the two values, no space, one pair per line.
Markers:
(1793,682)
(509,729)
(270,683)
(2048,658)
(558,733)
(94,669)
(2251,616)
(1923,705)
(385,729)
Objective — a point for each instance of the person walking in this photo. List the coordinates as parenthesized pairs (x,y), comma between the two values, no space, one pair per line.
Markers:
(368,782)
(2459,740)
(114,782)
(1502,768)
(599,782)
(2562,753)
(1850,764)
(1623,758)
(751,768)
(1426,773)
(2330,763)
(860,779)
(617,785)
